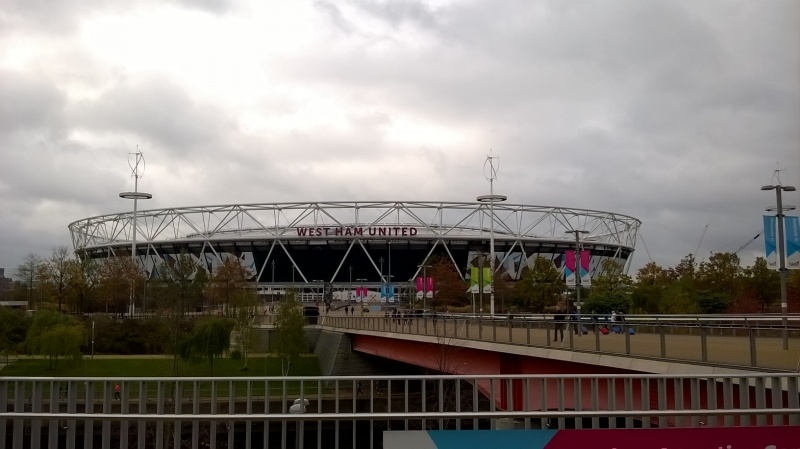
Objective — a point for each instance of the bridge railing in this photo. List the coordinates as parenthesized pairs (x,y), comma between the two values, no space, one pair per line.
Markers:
(354,411)
(729,340)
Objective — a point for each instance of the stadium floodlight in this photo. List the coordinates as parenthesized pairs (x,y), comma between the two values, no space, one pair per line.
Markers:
(491,199)
(782,256)
(136,195)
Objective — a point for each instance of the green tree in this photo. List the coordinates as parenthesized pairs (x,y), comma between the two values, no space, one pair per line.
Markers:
(719,282)
(84,280)
(681,295)
(610,290)
(290,337)
(648,293)
(54,335)
(541,286)
(230,285)
(14,326)
(763,282)
(210,338)
(119,277)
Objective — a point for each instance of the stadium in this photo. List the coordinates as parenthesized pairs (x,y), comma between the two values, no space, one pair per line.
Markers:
(339,246)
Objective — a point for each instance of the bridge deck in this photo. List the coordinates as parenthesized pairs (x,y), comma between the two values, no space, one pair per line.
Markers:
(729,346)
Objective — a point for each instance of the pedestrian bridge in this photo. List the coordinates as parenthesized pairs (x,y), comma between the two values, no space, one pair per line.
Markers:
(687,344)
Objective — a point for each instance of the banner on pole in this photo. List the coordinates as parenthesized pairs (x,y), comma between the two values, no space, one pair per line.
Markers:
(569,267)
(476,281)
(586,279)
(770,245)
(424,285)
(792,224)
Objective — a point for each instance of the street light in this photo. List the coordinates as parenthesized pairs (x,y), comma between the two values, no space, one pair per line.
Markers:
(782,257)
(578,233)
(350,290)
(136,195)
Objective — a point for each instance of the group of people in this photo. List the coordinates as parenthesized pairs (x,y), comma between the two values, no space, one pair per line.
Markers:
(397,317)
(561,320)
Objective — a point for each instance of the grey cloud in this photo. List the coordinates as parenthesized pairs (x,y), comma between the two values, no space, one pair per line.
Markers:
(158,111)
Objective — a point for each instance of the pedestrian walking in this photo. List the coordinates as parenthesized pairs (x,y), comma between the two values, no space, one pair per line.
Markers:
(116,392)
(358,388)
(558,325)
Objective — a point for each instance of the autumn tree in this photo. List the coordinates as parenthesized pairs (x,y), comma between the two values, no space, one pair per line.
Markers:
(681,294)
(119,277)
(449,288)
(84,280)
(541,286)
(230,285)
(55,274)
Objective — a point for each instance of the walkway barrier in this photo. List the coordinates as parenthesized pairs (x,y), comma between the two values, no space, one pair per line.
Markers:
(752,341)
(354,412)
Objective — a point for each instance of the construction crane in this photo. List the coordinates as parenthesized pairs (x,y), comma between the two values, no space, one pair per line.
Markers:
(747,244)
(701,239)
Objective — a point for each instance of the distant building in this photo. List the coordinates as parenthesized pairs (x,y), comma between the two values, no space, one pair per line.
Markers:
(6,287)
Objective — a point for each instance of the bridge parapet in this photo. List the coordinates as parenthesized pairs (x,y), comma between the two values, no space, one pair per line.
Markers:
(743,342)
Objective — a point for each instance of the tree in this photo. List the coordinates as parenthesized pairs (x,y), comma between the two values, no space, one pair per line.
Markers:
(54,335)
(610,290)
(55,273)
(648,292)
(14,326)
(541,286)
(449,288)
(763,282)
(209,339)
(290,337)
(119,277)
(84,279)
(26,273)
(229,284)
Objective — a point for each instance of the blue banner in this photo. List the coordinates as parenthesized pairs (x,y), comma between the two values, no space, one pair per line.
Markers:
(792,224)
(769,241)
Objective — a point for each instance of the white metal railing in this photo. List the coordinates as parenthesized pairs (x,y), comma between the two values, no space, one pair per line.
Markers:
(354,411)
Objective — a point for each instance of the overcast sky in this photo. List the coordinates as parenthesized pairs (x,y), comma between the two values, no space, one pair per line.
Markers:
(674,112)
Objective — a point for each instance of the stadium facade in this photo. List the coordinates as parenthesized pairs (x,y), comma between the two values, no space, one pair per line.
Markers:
(343,244)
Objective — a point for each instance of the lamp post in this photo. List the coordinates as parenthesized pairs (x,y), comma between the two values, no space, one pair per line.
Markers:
(578,233)
(272,287)
(136,195)
(350,287)
(782,257)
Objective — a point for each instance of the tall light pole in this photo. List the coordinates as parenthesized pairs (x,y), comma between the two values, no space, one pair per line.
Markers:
(491,198)
(782,257)
(136,195)
(350,289)
(578,233)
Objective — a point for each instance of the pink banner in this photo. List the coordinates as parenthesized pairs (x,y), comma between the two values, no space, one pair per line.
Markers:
(419,284)
(586,279)
(569,267)
(429,291)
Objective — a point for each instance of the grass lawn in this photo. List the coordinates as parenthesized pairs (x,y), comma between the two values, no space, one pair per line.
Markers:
(159,367)
(163,367)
